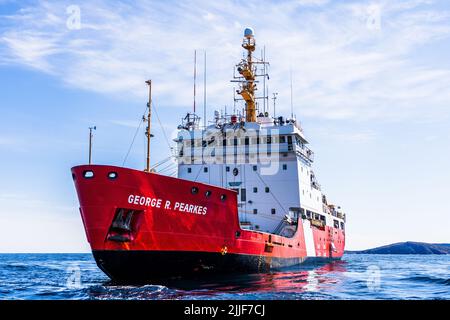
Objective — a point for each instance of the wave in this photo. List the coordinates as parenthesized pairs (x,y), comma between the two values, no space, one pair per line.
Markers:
(429,279)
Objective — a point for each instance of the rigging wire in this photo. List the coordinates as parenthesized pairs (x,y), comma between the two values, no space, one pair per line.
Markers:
(162,128)
(134,138)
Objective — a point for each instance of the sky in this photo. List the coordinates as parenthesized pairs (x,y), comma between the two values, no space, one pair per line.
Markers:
(370,86)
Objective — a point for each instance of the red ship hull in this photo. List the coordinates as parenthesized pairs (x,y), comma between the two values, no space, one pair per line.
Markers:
(145,225)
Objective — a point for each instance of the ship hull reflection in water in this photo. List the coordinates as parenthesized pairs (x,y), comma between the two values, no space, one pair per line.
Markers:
(308,277)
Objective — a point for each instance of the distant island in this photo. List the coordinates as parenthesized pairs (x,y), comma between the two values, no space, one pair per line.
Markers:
(408,247)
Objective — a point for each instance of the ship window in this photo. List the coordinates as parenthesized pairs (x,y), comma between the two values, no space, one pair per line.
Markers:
(336,223)
(269,139)
(342,225)
(255,168)
(208,193)
(223,197)
(235,141)
(194,190)
(88,174)
(247,141)
(205,169)
(227,169)
(267,189)
(255,211)
(235,171)
(284,166)
(282,139)
(192,142)
(273,211)
(256,227)
(255,189)
(243,194)
(189,170)
(224,142)
(112,175)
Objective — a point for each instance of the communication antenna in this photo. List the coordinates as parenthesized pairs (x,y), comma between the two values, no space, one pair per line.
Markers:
(275,94)
(264,79)
(292,104)
(90,142)
(195,74)
(204,92)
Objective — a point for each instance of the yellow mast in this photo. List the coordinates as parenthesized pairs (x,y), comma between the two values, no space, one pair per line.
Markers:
(248,87)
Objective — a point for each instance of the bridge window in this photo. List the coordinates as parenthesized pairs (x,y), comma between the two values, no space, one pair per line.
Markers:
(255,168)
(255,189)
(267,189)
(282,139)
(205,169)
(227,169)
(255,211)
(284,166)
(273,211)
(189,170)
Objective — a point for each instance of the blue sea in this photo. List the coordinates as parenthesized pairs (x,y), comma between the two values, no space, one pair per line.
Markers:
(76,276)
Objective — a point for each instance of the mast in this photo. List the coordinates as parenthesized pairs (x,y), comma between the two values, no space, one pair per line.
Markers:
(90,142)
(246,69)
(148,119)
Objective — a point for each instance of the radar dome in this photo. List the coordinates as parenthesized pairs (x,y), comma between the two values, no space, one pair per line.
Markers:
(248,33)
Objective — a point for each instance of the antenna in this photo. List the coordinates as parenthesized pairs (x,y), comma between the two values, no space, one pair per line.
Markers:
(204,92)
(195,74)
(292,105)
(90,142)
(234,100)
(274,99)
(264,79)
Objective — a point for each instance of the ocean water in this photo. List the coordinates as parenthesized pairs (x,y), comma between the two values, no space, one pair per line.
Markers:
(76,276)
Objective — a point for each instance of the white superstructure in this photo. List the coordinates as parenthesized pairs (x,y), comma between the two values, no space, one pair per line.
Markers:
(265,159)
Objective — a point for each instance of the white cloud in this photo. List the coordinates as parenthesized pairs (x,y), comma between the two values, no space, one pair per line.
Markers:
(342,69)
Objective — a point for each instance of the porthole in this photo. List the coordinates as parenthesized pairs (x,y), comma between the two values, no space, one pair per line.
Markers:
(88,174)
(112,175)
(223,197)
(235,171)
(194,190)
(208,193)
